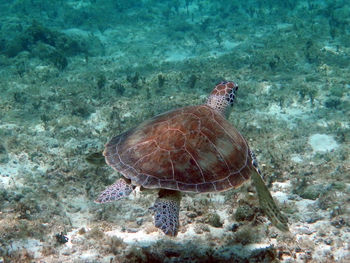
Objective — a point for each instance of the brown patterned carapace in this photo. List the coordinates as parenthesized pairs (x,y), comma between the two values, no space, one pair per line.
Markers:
(191,149)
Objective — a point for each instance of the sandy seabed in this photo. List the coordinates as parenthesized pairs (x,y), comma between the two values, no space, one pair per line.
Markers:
(70,85)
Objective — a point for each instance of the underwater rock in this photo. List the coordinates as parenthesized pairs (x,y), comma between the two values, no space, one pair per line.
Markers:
(233,227)
(304,231)
(51,54)
(161,81)
(249,253)
(312,217)
(333,102)
(51,45)
(311,192)
(14,47)
(37,33)
(339,222)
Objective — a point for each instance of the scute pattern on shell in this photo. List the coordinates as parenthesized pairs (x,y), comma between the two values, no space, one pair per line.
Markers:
(192,149)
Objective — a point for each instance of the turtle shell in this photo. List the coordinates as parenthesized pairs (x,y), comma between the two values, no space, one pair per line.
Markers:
(191,149)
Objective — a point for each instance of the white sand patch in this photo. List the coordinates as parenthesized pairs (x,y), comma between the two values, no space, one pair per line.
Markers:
(322,143)
(140,238)
(76,32)
(178,55)
(127,115)
(12,173)
(217,232)
(217,198)
(143,239)
(281,197)
(296,158)
(342,254)
(31,245)
(224,215)
(97,121)
(304,205)
(79,210)
(265,88)
(88,255)
(8,172)
(280,191)
(288,114)
(284,26)
(284,186)
(227,44)
(331,49)
(79,4)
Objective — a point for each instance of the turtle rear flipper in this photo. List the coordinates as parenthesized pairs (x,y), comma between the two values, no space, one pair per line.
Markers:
(166,211)
(120,189)
(268,204)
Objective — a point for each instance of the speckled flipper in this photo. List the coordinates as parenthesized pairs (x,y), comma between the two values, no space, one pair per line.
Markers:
(268,204)
(166,211)
(265,199)
(114,192)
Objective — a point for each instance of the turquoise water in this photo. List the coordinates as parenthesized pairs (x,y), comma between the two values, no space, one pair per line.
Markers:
(73,74)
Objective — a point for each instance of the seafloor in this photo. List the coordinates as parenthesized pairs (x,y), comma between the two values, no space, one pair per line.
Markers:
(75,73)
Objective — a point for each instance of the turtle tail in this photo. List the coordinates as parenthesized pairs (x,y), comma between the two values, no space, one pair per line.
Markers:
(268,204)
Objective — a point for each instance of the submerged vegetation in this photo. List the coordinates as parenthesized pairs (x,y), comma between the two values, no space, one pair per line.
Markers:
(75,73)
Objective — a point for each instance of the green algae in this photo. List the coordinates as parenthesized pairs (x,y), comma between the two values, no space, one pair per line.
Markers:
(244,213)
(96,159)
(214,220)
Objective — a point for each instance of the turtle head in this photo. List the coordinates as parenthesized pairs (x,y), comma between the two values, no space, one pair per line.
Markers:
(222,96)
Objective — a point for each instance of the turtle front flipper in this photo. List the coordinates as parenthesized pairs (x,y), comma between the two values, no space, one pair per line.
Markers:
(114,192)
(268,204)
(166,211)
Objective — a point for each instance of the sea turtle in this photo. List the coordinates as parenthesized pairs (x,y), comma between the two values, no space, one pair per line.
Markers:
(191,149)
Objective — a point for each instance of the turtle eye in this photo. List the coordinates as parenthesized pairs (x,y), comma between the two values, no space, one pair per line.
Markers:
(231,98)
(231,95)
